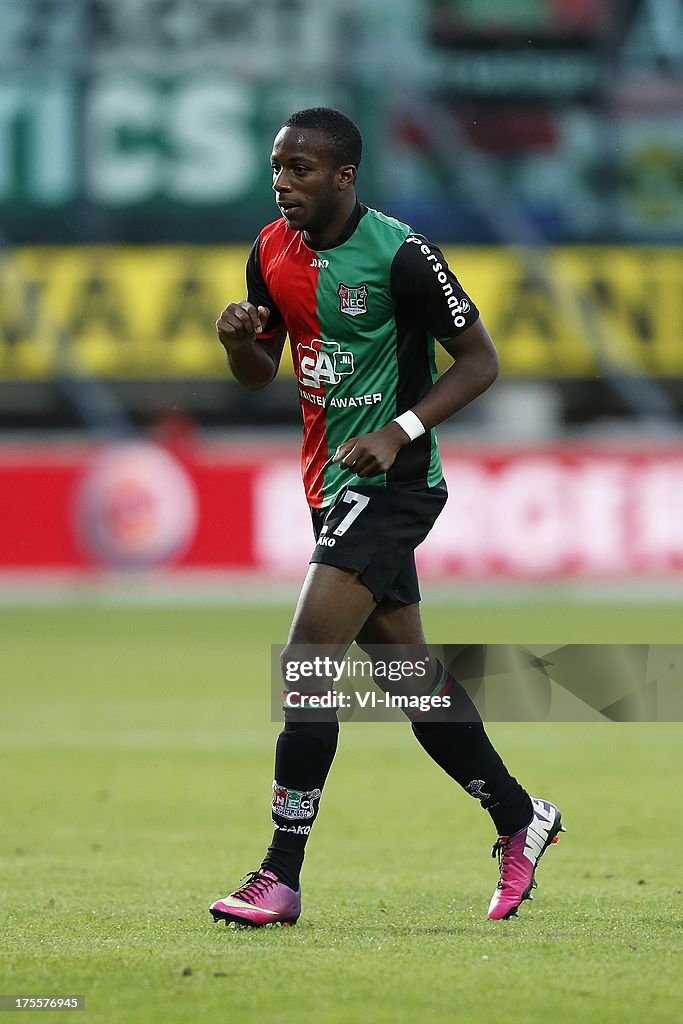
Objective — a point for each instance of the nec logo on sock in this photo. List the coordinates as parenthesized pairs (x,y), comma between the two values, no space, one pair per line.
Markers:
(293,804)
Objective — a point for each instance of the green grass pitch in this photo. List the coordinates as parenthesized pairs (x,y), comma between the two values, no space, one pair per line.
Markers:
(136,753)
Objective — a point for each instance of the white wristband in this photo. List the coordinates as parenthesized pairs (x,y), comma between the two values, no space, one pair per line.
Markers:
(412,424)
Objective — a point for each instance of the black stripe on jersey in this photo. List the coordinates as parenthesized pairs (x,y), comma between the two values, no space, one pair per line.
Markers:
(257,289)
(429,302)
(411,465)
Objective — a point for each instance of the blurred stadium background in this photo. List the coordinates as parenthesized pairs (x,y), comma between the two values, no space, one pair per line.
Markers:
(539,142)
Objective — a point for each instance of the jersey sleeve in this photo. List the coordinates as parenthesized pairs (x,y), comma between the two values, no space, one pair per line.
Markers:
(258,294)
(427,291)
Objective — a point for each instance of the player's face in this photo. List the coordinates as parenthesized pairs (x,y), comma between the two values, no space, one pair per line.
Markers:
(309,189)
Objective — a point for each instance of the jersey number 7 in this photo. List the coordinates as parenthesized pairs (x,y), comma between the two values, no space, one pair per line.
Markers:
(358,503)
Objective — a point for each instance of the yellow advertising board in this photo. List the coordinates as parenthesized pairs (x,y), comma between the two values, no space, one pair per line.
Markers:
(145,311)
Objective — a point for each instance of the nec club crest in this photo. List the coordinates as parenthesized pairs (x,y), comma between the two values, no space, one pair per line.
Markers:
(353,299)
(294,803)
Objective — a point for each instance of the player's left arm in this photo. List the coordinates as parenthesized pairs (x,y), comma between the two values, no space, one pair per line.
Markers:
(432,296)
(473,370)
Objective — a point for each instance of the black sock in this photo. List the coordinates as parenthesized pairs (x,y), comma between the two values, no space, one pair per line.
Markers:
(465,752)
(303,757)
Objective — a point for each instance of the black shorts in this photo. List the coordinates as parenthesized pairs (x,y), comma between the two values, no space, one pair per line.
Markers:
(375,531)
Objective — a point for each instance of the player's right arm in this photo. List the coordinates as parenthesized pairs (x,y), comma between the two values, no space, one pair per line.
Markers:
(253,331)
(254,362)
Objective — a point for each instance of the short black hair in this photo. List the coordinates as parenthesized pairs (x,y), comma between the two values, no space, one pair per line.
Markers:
(343,135)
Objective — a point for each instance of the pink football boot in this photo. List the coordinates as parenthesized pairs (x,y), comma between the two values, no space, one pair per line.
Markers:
(263,899)
(518,856)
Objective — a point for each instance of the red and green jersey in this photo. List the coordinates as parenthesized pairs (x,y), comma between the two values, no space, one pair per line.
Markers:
(362,318)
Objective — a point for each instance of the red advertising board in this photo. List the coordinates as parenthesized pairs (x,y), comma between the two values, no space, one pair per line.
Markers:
(557,512)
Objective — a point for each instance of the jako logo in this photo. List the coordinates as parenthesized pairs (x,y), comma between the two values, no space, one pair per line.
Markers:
(324,365)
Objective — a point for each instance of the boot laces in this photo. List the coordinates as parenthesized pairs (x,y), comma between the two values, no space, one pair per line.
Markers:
(255,886)
(500,849)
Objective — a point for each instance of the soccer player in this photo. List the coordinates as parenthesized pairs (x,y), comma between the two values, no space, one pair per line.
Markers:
(363,298)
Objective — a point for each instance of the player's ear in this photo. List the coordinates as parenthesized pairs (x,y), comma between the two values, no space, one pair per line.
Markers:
(346,176)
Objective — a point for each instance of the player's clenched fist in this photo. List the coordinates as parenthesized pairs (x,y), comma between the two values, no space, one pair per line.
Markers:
(241,323)
(372,453)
